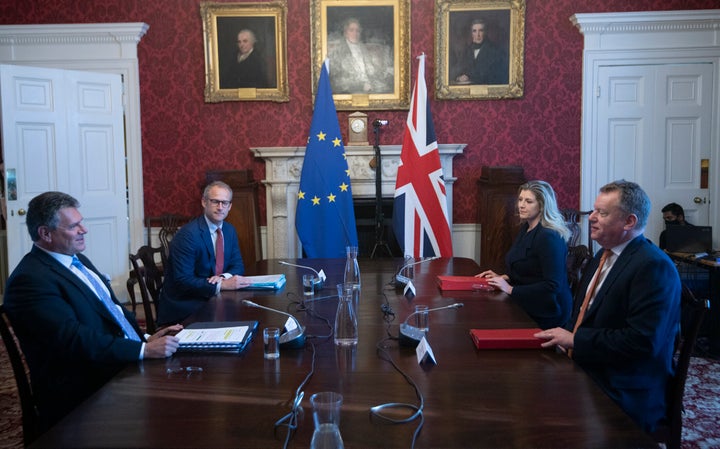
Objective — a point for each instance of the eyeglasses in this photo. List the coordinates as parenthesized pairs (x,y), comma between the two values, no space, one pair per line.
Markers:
(215,202)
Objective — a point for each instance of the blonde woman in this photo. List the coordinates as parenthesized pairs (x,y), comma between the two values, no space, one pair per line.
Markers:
(536,262)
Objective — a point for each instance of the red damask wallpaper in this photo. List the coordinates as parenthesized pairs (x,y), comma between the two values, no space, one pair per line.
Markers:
(183,136)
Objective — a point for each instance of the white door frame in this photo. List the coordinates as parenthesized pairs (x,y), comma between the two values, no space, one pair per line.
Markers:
(97,47)
(636,38)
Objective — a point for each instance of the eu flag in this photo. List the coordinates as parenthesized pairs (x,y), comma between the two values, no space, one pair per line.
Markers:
(325,220)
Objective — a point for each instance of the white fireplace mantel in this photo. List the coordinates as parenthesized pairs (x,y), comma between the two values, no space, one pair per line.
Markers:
(283,166)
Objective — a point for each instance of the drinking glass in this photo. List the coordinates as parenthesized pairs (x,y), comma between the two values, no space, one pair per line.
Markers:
(326,416)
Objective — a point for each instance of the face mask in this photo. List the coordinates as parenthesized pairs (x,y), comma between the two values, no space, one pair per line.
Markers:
(672,222)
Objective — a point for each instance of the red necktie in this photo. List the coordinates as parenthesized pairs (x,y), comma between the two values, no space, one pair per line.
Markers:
(589,294)
(219,253)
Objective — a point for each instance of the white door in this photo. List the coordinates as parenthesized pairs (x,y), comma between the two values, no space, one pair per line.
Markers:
(63,130)
(654,128)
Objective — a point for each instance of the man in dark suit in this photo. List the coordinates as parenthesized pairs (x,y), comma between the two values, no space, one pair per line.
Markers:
(624,336)
(673,215)
(74,333)
(194,271)
(482,62)
(247,67)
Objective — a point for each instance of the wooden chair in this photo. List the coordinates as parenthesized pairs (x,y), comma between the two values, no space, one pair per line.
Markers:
(169,226)
(30,420)
(671,432)
(573,220)
(579,253)
(149,278)
(577,259)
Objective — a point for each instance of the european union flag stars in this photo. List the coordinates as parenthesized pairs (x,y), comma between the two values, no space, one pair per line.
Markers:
(325,219)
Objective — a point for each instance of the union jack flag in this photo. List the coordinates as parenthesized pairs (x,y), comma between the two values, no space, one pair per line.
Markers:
(420,214)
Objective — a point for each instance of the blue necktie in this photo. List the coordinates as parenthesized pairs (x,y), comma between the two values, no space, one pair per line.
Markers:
(107,301)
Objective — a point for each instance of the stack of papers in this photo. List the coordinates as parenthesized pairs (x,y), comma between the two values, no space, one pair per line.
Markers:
(217,336)
(267,282)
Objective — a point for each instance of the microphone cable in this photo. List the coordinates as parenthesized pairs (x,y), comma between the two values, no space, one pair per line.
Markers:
(301,306)
(416,409)
(290,420)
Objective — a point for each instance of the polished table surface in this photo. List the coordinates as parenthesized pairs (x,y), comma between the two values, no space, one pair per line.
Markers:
(472,399)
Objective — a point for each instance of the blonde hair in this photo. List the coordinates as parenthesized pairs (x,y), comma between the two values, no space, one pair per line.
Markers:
(550,216)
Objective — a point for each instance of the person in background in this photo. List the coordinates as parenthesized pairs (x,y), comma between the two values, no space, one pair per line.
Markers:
(673,215)
(74,333)
(482,62)
(536,261)
(204,258)
(247,67)
(627,309)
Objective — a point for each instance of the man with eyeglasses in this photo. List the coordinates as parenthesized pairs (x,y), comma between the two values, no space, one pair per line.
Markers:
(204,259)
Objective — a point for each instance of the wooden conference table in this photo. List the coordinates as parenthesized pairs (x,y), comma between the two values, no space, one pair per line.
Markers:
(472,399)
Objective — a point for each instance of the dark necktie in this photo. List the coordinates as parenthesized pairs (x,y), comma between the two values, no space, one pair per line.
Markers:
(219,253)
(590,292)
(107,301)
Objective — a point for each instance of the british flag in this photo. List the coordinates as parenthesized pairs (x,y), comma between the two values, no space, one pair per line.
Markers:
(420,215)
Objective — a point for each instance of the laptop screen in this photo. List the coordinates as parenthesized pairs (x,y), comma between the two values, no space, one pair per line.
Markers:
(688,239)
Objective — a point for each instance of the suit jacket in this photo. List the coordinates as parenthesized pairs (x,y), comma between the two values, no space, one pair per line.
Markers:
(71,342)
(251,72)
(190,263)
(489,67)
(626,340)
(536,265)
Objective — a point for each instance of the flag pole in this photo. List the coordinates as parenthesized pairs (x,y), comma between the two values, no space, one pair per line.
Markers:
(379,215)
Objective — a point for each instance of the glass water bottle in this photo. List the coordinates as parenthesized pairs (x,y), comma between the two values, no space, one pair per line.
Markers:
(346,328)
(352,273)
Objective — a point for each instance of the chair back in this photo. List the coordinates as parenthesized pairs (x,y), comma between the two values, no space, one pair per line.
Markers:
(27,403)
(573,220)
(149,278)
(169,226)
(671,433)
(577,260)
(579,253)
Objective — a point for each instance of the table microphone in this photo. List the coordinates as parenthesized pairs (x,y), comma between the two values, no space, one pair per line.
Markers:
(400,280)
(318,283)
(293,339)
(411,335)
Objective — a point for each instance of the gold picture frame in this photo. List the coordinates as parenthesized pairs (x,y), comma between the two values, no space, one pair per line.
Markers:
(231,72)
(380,30)
(501,23)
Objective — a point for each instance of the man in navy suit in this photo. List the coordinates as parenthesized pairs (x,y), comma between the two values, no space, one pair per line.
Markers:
(625,340)
(193,274)
(74,333)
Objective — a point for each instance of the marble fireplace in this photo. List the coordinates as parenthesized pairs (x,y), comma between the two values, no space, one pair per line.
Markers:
(283,166)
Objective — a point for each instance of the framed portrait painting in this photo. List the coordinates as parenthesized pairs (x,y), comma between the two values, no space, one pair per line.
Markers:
(479,45)
(245,51)
(367,44)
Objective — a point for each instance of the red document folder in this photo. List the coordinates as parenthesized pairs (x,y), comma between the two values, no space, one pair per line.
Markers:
(505,338)
(463,283)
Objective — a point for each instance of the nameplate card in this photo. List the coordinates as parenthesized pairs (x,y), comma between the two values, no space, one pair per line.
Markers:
(409,290)
(424,353)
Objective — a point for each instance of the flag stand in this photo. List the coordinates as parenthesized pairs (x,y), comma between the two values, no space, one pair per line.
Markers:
(379,216)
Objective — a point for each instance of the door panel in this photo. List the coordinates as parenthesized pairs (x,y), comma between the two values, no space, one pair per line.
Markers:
(654,129)
(63,130)
(684,119)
